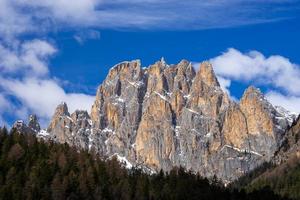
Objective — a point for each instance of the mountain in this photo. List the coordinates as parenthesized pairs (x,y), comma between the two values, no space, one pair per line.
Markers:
(165,116)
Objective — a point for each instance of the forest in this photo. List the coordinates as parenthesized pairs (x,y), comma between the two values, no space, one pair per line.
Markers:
(283,179)
(31,168)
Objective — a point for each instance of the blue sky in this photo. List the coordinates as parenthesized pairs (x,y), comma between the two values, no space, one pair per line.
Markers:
(53,51)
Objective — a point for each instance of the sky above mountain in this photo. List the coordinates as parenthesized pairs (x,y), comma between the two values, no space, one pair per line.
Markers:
(58,50)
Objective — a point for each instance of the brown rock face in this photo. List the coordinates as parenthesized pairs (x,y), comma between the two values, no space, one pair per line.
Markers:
(169,115)
(154,140)
(61,124)
(207,75)
(257,112)
(235,128)
(206,95)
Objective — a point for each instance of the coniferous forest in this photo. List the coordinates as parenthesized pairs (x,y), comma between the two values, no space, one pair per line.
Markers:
(35,169)
(283,179)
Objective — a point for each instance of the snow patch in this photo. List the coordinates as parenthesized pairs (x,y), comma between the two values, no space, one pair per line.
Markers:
(107,130)
(161,96)
(43,133)
(169,94)
(123,160)
(208,135)
(69,118)
(177,128)
(20,121)
(137,84)
(90,141)
(285,115)
(187,96)
(120,100)
(241,150)
(193,111)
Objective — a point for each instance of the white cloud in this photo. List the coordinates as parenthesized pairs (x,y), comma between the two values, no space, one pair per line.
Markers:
(3,103)
(30,57)
(41,96)
(276,72)
(13,22)
(291,103)
(83,36)
(26,78)
(77,11)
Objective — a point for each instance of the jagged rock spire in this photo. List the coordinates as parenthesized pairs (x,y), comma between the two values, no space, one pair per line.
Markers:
(162,61)
(207,74)
(62,109)
(252,92)
(33,126)
(33,123)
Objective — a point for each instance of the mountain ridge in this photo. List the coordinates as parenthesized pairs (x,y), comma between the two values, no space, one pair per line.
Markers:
(170,115)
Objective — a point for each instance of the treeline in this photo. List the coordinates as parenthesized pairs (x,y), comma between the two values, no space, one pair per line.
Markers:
(33,169)
(247,179)
(283,179)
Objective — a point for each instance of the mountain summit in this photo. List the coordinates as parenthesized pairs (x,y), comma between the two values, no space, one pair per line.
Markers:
(170,115)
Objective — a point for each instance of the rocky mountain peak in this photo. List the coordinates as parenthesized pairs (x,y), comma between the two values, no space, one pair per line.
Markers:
(80,115)
(207,74)
(60,118)
(20,126)
(254,100)
(32,127)
(185,68)
(253,92)
(162,61)
(62,109)
(33,123)
(125,68)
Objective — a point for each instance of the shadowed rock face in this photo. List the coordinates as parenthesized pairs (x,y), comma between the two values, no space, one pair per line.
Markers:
(33,123)
(290,146)
(33,126)
(169,115)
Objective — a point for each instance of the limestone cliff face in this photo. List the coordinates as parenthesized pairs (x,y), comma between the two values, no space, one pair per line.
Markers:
(170,115)
(235,129)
